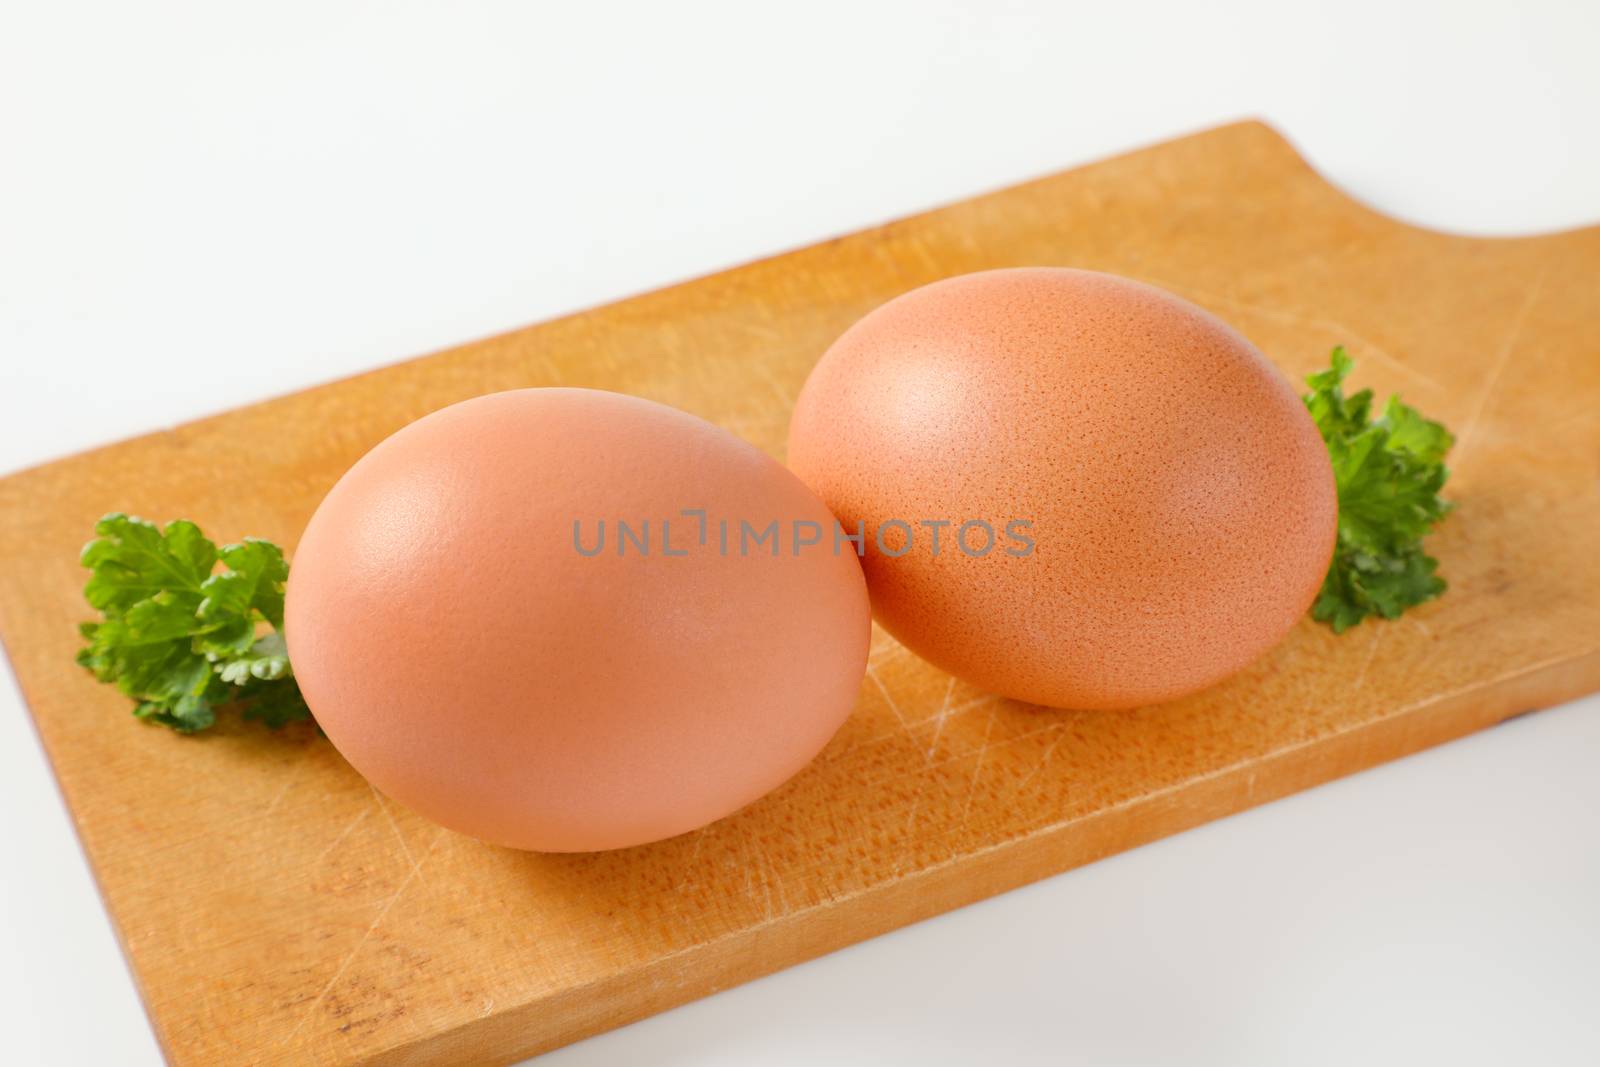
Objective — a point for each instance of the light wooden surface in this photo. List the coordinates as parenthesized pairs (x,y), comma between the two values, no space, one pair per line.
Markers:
(278,911)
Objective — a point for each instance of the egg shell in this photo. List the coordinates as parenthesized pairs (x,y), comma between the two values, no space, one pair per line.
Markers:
(1180,501)
(472,663)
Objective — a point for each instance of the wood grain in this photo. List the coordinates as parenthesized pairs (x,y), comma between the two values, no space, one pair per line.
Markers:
(278,911)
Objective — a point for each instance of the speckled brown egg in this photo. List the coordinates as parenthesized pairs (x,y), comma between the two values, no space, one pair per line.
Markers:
(520,616)
(1159,507)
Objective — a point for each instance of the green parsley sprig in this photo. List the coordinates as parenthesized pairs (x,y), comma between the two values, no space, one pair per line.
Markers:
(1389,472)
(184,641)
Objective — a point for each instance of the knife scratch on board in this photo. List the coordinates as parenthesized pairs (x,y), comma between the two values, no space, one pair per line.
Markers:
(377,798)
(383,910)
(1502,359)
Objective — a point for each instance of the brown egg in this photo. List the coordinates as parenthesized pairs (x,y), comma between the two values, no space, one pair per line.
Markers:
(1161,506)
(482,650)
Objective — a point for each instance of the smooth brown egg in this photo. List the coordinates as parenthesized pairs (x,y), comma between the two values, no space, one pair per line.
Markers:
(480,648)
(1160,508)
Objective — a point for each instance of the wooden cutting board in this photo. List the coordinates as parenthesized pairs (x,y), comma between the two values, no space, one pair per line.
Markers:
(279,911)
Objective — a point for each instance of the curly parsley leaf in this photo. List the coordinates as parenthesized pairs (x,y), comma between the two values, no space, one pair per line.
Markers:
(1389,472)
(181,640)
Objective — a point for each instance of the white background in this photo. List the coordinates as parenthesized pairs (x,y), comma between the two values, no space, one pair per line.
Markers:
(204,204)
